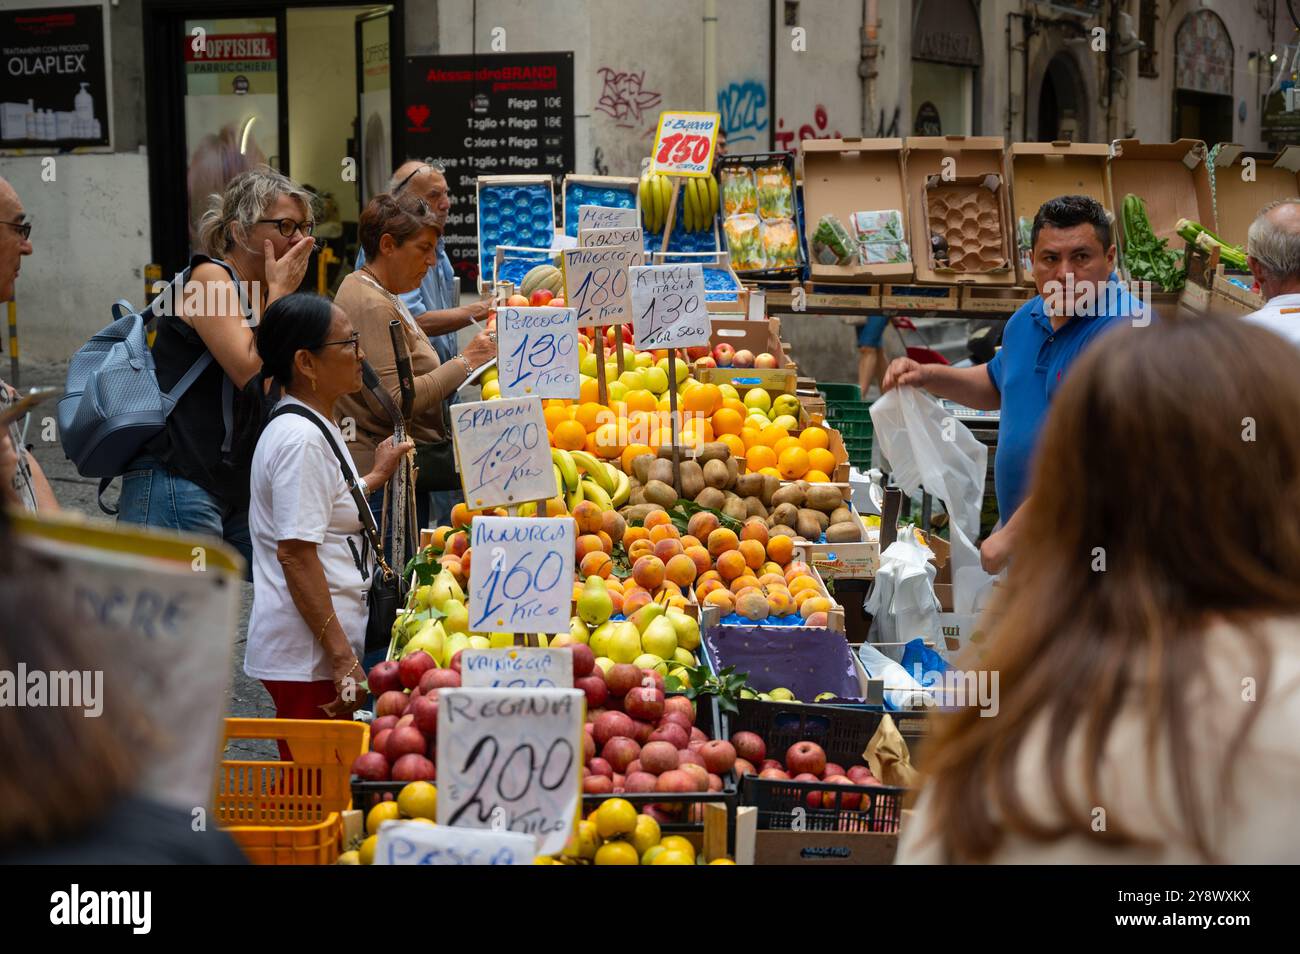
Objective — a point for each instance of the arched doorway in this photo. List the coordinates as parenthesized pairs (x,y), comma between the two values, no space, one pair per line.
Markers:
(1062,101)
(1203,79)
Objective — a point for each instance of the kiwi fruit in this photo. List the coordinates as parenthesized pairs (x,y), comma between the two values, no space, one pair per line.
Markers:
(790,493)
(771,485)
(716,474)
(755,507)
(808,526)
(658,492)
(786,513)
(714,450)
(641,467)
(842,515)
(660,470)
(750,485)
(823,521)
(823,497)
(692,479)
(848,532)
(735,508)
(711,497)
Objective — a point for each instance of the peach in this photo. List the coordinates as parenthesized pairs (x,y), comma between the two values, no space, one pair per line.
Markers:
(461,516)
(797,568)
(702,524)
(640,549)
(632,534)
(681,570)
(709,574)
(801,583)
(780,602)
(612,522)
(731,564)
(589,516)
(722,541)
(703,562)
(819,619)
(457,543)
(588,543)
(754,529)
(648,571)
(705,588)
(689,541)
(770,567)
(721,599)
(753,553)
(772,579)
(667,549)
(452,564)
(744,582)
(465,561)
(606,541)
(596,564)
(678,601)
(665,531)
(780,549)
(803,596)
(634,601)
(656,518)
(439,540)
(818,604)
(615,585)
(615,599)
(752,605)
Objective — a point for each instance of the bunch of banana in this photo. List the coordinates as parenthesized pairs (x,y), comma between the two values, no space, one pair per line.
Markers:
(700,195)
(656,191)
(600,482)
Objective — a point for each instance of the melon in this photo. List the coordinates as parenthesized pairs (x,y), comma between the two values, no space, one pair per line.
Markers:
(543,276)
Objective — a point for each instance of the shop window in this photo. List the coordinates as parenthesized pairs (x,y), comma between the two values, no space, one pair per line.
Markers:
(1147,20)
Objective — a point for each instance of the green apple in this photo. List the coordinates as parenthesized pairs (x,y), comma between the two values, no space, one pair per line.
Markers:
(759,399)
(656,379)
(625,644)
(729,391)
(634,380)
(629,353)
(611,371)
(588,365)
(660,638)
(643,359)
(786,404)
(682,367)
(617,391)
(789,422)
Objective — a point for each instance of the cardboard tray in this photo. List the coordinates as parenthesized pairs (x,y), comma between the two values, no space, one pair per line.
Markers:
(988,189)
(624,186)
(843,176)
(1237,202)
(756,161)
(711,616)
(1173,179)
(923,157)
(1038,171)
(484,183)
(856,300)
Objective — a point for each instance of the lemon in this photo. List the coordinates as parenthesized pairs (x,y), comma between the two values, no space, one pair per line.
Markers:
(729,391)
(616,853)
(588,840)
(758,399)
(652,853)
(491,389)
(678,843)
(349,858)
(646,834)
(489,375)
(722,861)
(418,800)
(384,811)
(674,858)
(366,854)
(615,817)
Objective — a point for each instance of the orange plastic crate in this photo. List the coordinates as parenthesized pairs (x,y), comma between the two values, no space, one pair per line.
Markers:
(288,813)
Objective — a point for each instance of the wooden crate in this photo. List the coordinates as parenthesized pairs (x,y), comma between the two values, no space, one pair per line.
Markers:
(994,301)
(920,297)
(710,616)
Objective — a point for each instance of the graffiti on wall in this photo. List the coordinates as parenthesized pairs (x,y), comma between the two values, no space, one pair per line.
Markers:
(624,97)
(789,139)
(743,107)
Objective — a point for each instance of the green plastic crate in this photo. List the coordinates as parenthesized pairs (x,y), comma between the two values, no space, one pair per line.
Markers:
(857,411)
(835,392)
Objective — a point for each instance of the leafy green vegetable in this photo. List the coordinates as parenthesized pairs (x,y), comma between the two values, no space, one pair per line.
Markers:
(1148,258)
(1230,255)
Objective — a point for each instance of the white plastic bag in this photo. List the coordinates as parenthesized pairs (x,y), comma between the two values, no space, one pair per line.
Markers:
(902,603)
(902,691)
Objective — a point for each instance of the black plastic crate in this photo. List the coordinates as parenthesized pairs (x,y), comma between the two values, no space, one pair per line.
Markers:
(755,161)
(842,731)
(819,806)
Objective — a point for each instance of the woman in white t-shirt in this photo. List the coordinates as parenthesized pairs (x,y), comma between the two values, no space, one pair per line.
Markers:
(312,562)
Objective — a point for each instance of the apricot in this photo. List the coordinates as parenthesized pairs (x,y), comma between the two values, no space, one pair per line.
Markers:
(780,602)
(615,600)
(803,596)
(439,540)
(744,581)
(681,569)
(721,599)
(780,549)
(632,534)
(689,541)
(589,543)
(753,553)
(589,516)
(648,571)
(640,549)
(752,605)
(606,541)
(772,579)
(722,541)
(801,583)
(596,564)
(797,568)
(703,562)
(656,518)
(461,515)
(755,529)
(612,522)
(705,587)
(819,619)
(702,524)
(667,549)
(731,564)
(818,604)
(664,531)
(634,601)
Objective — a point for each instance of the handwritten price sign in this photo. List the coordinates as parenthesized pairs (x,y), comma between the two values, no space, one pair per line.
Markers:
(537,351)
(521,578)
(596,284)
(522,667)
(414,843)
(503,451)
(608,238)
(606,217)
(508,760)
(684,144)
(668,309)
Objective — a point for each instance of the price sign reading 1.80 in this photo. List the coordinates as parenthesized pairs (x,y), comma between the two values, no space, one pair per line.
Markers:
(685,143)
(596,284)
(538,352)
(503,452)
(668,307)
(521,578)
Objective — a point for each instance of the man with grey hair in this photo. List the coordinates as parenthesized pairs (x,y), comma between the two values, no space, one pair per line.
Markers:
(1273,254)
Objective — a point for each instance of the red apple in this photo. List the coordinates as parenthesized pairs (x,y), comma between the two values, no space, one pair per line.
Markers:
(680,704)
(622,677)
(832,769)
(770,763)
(644,703)
(584,661)
(611,724)
(675,780)
(384,677)
(439,679)
(619,752)
(639,782)
(848,800)
(806,757)
(814,799)
(686,756)
(393,702)
(425,710)
(634,766)
(861,775)
(414,768)
(677,718)
(724,354)
(706,362)
(595,688)
(613,702)
(405,740)
(370,766)
(413,666)
(588,747)
(455,660)
(765,360)
(598,785)
(743,358)
(698,773)
(672,733)
(599,766)
(744,767)
(774,773)
(698,352)
(715,783)
(719,756)
(380,724)
(618,784)
(659,757)
(654,674)
(749,746)
(643,731)
(540,298)
(697,735)
(379,743)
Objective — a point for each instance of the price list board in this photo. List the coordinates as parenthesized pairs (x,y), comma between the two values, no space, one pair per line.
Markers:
(488,114)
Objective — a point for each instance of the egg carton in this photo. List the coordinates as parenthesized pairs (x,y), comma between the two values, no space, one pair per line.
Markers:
(967,213)
(513,211)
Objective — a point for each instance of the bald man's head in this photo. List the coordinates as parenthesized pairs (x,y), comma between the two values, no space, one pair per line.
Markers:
(417,177)
(13,244)
(1273,247)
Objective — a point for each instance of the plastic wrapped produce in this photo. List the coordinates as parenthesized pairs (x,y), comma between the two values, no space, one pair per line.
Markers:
(832,244)
(775,192)
(884,253)
(738,194)
(877,227)
(744,241)
(780,243)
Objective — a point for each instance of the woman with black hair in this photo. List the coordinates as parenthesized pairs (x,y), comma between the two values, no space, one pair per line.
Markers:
(311,561)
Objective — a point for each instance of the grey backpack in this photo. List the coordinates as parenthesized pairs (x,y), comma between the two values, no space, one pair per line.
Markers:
(112,404)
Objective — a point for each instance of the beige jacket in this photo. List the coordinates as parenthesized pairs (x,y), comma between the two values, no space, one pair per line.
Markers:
(370,310)
(1261,824)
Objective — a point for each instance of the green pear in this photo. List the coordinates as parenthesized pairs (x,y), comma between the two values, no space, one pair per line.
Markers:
(625,644)
(646,614)
(824,697)
(445,589)
(685,657)
(457,618)
(455,643)
(651,661)
(479,642)
(578,630)
(688,629)
(605,663)
(681,674)
(748,694)
(431,638)
(594,605)
(781,694)
(600,637)
(765,697)
(660,638)
(424,597)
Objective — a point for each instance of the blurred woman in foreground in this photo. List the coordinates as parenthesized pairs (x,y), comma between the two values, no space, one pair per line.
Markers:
(1147,645)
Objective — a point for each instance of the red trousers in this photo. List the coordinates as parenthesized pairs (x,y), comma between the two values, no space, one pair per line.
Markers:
(300,700)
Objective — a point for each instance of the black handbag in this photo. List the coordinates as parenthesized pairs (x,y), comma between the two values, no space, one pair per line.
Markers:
(436,467)
(387,594)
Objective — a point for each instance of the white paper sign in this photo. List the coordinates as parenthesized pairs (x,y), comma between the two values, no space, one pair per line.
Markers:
(596,284)
(537,352)
(684,144)
(606,238)
(668,307)
(503,452)
(415,843)
(510,760)
(521,577)
(606,217)
(517,667)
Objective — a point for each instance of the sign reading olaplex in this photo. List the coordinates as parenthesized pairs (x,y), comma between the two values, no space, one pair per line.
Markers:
(54,90)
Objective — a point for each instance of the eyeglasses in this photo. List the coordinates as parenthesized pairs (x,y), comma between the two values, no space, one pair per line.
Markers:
(354,341)
(23,228)
(430,166)
(287,227)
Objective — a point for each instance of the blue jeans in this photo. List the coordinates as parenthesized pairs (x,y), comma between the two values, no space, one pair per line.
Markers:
(873,332)
(153,496)
(440,508)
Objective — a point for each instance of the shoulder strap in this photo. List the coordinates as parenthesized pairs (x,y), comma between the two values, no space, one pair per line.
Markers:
(363,505)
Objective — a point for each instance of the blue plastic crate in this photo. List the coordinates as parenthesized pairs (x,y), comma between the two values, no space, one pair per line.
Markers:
(513,214)
(578,194)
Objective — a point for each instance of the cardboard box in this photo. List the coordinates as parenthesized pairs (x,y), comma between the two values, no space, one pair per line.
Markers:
(756,337)
(824,847)
(838,561)
(856,301)
(994,301)
(843,176)
(1173,179)
(1237,201)
(1038,171)
(978,244)
(924,156)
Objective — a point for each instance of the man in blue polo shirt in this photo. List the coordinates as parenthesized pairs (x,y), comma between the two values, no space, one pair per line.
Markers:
(1078,299)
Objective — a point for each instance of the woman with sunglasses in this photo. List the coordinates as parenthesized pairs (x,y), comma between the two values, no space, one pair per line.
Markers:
(255,241)
(399,235)
(312,563)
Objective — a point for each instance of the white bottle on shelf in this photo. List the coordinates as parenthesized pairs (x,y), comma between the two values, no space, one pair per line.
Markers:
(94,129)
(51,127)
(84,104)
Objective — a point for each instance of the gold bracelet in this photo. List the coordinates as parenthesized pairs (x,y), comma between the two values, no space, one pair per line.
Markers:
(321,635)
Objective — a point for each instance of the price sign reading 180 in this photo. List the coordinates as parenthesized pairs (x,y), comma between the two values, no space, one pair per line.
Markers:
(668,309)
(685,143)
(596,284)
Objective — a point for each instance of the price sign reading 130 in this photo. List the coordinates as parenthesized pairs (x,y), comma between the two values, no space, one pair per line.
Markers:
(668,307)
(685,143)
